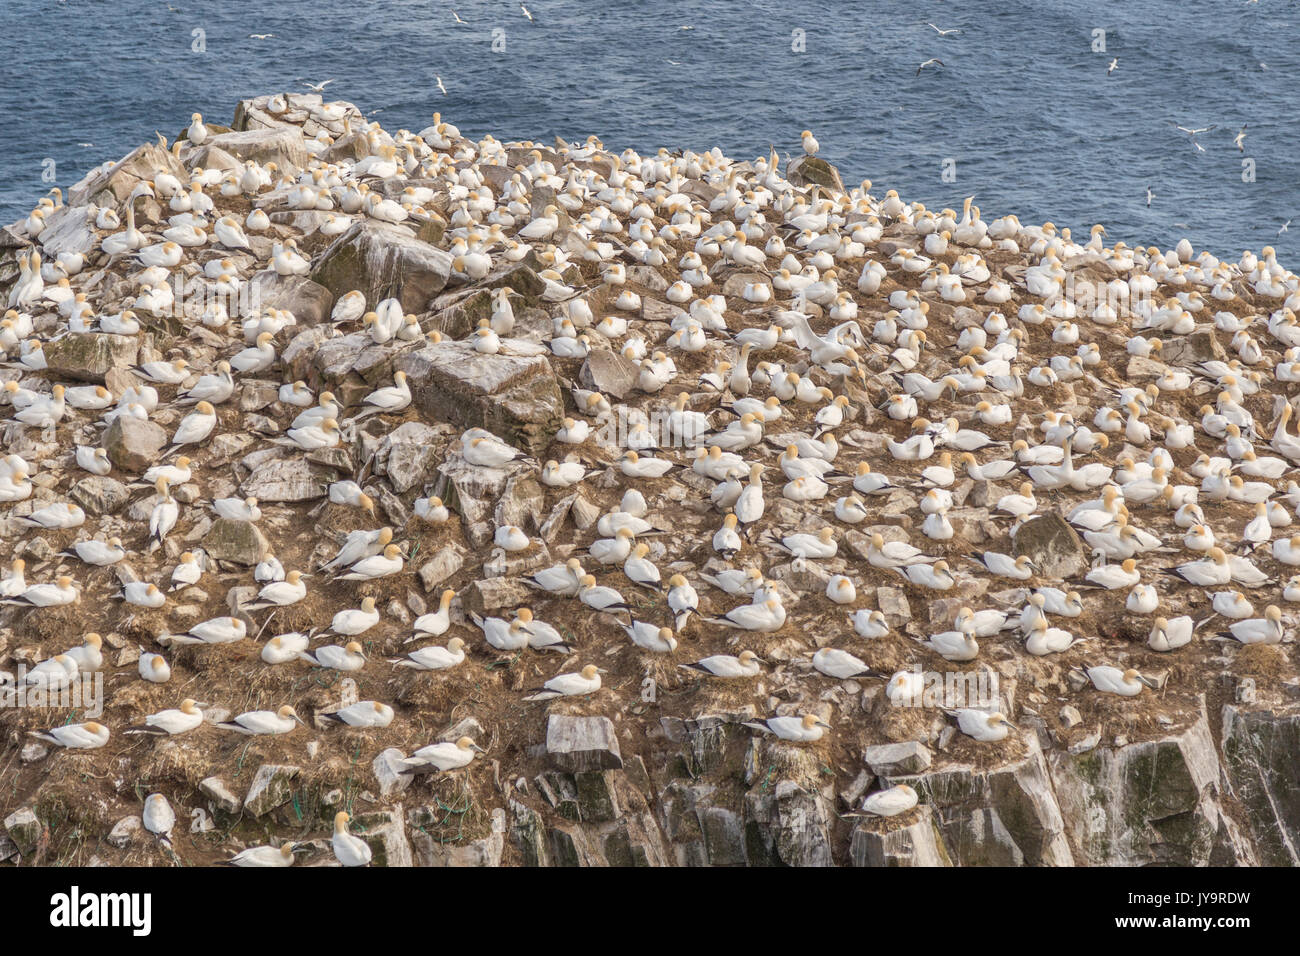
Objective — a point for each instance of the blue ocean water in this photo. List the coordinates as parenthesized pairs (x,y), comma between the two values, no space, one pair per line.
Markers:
(1022,106)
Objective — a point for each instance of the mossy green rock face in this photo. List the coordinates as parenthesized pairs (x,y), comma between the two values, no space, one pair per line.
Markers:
(1005,816)
(787,825)
(87,356)
(272,787)
(1149,802)
(899,841)
(1261,754)
(383,261)
(25,829)
(485,851)
(385,833)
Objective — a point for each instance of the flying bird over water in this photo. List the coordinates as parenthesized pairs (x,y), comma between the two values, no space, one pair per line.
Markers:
(1114,65)
(317,87)
(942,33)
(933,61)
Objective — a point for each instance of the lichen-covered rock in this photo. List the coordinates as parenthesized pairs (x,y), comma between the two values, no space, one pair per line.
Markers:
(383,261)
(100,495)
(407,455)
(610,373)
(310,302)
(143,163)
(908,840)
(87,356)
(282,145)
(516,398)
(485,851)
(1004,816)
(133,444)
(445,562)
(25,829)
(490,595)
(385,832)
(272,787)
(215,789)
(387,767)
(68,230)
(1261,756)
(896,760)
(812,171)
(286,479)
(577,744)
(1200,345)
(240,542)
(1052,545)
(1147,802)
(786,824)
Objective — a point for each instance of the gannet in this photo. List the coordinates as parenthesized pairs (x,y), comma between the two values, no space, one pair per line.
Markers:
(153,668)
(1265,630)
(348,849)
(63,591)
(87,736)
(869,624)
(764,617)
(264,856)
(983,726)
(726,666)
(683,600)
(349,657)
(98,553)
(586,681)
(1112,680)
(890,802)
(651,637)
(365,713)
(170,722)
(442,757)
(805,729)
(260,722)
(218,630)
(284,648)
(353,621)
(834,662)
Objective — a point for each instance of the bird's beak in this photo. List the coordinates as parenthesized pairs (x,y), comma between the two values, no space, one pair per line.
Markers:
(300,720)
(1150,683)
(478,748)
(601,670)
(823,725)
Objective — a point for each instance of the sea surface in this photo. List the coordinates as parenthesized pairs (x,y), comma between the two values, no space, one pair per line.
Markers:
(1022,113)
